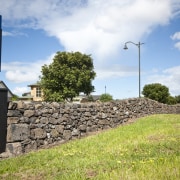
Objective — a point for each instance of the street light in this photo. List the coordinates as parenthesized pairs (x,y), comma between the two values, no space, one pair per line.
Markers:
(139,47)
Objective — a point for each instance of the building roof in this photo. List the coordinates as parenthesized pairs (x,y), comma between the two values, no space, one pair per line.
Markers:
(3,85)
(35,84)
(25,97)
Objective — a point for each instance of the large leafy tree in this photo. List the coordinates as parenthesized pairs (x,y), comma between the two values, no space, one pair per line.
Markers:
(69,74)
(156,91)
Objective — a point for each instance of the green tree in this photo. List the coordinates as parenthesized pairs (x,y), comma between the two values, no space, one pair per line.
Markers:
(15,97)
(67,76)
(177,98)
(171,100)
(90,98)
(105,97)
(156,92)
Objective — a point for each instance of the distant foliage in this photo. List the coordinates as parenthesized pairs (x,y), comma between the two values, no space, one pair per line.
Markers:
(15,97)
(177,98)
(171,100)
(90,98)
(156,92)
(68,75)
(106,98)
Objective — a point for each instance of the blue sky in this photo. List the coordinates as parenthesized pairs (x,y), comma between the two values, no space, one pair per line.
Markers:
(33,31)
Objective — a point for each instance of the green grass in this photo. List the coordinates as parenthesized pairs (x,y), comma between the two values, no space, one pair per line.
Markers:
(148,149)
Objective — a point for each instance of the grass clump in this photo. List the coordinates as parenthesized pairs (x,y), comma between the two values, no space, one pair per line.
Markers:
(146,149)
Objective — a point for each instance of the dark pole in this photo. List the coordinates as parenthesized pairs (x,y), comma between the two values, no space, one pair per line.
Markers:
(0,40)
(3,106)
(139,47)
(3,119)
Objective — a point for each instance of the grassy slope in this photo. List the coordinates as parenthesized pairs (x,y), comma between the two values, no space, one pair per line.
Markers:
(146,149)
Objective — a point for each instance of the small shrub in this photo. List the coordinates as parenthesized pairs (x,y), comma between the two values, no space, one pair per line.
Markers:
(106,98)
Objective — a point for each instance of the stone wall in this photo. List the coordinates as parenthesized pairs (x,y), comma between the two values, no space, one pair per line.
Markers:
(34,125)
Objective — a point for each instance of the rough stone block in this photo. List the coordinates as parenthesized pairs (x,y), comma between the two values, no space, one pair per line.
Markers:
(14,148)
(75,132)
(21,105)
(44,120)
(12,120)
(67,134)
(14,113)
(12,105)
(29,113)
(82,127)
(53,120)
(103,122)
(17,132)
(54,133)
(60,128)
(30,147)
(38,133)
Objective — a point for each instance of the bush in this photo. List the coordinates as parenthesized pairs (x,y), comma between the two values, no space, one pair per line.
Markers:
(106,98)
(171,100)
(157,92)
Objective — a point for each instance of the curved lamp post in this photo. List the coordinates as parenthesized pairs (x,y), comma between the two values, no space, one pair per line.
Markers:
(139,47)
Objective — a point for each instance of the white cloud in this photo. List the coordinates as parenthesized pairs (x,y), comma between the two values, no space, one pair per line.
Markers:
(20,90)
(95,26)
(101,27)
(18,76)
(20,72)
(5,33)
(176,36)
(115,71)
(169,77)
(177,45)
(13,33)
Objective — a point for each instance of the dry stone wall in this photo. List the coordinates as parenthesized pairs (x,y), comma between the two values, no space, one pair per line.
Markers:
(34,125)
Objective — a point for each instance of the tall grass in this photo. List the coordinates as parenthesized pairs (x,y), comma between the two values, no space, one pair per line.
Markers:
(146,149)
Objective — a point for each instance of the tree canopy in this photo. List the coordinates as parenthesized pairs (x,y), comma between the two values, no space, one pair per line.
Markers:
(105,97)
(156,91)
(177,98)
(69,74)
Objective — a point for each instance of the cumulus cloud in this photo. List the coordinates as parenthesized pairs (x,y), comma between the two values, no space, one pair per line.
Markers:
(20,72)
(169,77)
(20,90)
(176,37)
(91,26)
(115,71)
(101,27)
(5,33)
(13,33)
(177,45)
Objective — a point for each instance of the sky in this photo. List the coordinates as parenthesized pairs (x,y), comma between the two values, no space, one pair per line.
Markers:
(33,31)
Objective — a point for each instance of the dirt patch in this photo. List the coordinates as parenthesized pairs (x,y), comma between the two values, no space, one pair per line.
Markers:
(156,138)
(90,174)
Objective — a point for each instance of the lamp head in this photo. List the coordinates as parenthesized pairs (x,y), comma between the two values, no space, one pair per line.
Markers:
(125,47)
